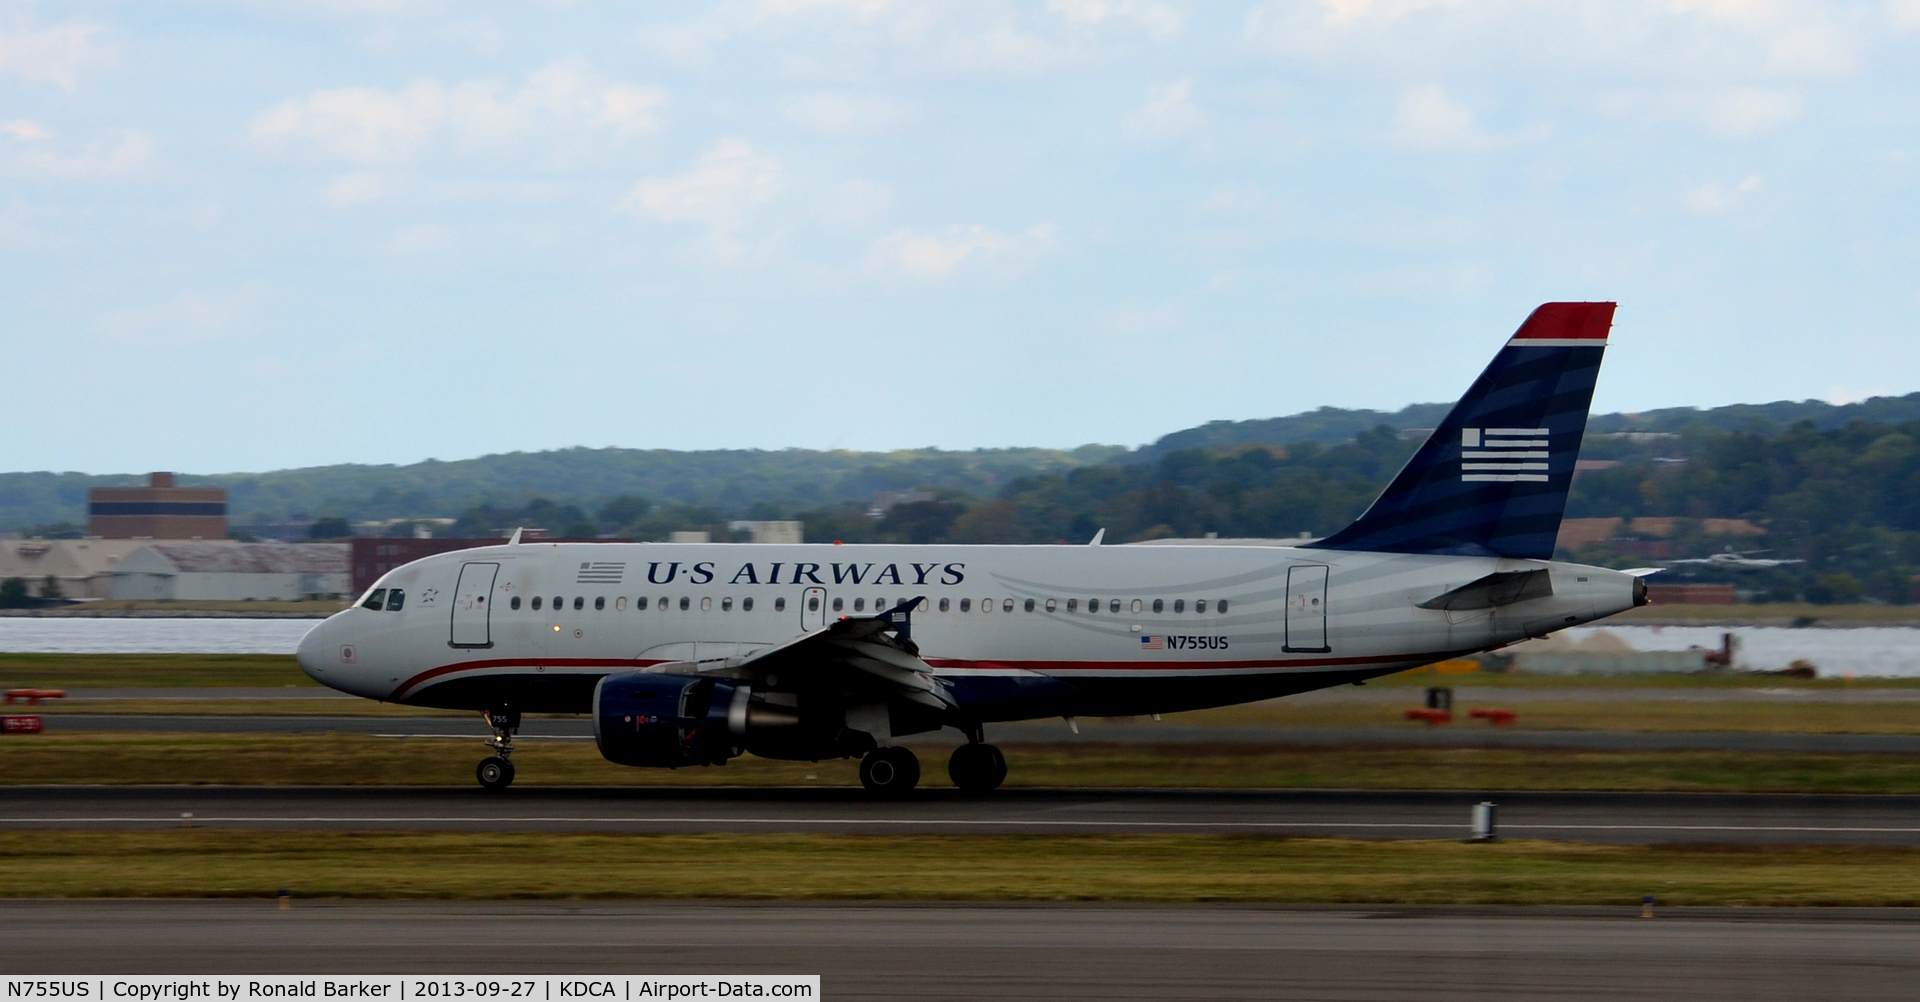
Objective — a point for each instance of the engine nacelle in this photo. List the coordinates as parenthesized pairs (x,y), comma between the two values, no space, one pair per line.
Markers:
(665,720)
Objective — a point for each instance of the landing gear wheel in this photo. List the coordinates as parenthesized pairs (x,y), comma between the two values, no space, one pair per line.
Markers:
(977,768)
(494,773)
(889,771)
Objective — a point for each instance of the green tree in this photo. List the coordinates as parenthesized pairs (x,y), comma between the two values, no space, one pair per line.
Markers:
(50,588)
(331,527)
(13,594)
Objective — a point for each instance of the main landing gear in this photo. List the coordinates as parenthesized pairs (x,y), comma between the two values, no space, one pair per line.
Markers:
(890,771)
(496,773)
(977,767)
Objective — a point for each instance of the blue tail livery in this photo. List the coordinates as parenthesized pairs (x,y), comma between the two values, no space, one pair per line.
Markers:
(1493,478)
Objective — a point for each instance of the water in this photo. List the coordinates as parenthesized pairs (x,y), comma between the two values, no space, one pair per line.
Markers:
(1865,651)
(152,636)
(1868,650)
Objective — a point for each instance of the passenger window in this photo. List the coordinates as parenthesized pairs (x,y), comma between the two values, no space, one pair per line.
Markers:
(514,603)
(1052,605)
(558,602)
(1029,605)
(780,604)
(1073,605)
(599,603)
(396,599)
(860,605)
(579,602)
(706,603)
(1223,607)
(746,604)
(685,603)
(966,605)
(1113,605)
(839,604)
(1159,606)
(536,603)
(945,604)
(375,600)
(663,603)
(1137,605)
(813,603)
(1006,605)
(1200,606)
(620,604)
(640,603)
(726,604)
(986,605)
(1179,605)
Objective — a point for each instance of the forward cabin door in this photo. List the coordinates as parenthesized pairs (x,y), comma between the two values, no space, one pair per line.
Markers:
(1307,609)
(470,600)
(813,610)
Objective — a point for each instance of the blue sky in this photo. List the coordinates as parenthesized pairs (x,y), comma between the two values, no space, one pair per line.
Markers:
(242,236)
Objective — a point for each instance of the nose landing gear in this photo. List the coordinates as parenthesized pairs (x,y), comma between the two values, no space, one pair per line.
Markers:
(496,773)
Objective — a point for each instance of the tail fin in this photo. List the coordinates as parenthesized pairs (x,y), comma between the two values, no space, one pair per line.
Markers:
(1493,478)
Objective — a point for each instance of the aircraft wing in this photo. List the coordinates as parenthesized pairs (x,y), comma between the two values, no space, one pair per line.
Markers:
(865,652)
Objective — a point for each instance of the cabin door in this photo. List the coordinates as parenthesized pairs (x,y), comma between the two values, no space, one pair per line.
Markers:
(1307,609)
(471,596)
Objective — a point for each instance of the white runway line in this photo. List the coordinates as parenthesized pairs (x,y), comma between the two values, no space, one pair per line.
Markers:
(896,822)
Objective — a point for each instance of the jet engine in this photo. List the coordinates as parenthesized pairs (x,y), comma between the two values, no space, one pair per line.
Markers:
(644,719)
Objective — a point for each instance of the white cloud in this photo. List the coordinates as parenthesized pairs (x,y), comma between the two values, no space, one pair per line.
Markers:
(1425,118)
(839,113)
(722,191)
(1731,113)
(189,318)
(23,129)
(367,125)
(1714,197)
(355,189)
(55,54)
(123,154)
(936,255)
(1168,115)
(1159,19)
(1904,13)
(1143,320)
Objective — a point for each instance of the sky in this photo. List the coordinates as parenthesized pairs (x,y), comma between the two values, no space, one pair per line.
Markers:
(248,236)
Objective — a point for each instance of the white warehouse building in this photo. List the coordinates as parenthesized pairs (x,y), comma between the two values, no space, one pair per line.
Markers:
(226,572)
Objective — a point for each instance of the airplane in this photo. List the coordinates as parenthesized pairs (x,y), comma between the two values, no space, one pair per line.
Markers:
(692,654)
(1735,561)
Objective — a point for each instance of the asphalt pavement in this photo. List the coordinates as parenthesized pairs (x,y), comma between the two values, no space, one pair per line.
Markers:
(1057,952)
(1635,818)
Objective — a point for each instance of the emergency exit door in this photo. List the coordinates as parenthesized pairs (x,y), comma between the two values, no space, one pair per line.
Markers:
(471,597)
(1307,609)
(813,610)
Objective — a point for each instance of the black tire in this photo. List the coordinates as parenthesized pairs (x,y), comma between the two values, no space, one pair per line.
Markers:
(494,773)
(890,771)
(977,768)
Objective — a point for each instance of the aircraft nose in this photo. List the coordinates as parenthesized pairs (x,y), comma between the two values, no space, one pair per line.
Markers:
(309,653)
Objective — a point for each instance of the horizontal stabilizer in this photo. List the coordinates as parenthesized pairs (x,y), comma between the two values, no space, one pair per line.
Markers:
(1498,588)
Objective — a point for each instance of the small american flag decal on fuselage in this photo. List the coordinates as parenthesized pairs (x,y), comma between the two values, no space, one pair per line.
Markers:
(1152,642)
(1503,454)
(599,572)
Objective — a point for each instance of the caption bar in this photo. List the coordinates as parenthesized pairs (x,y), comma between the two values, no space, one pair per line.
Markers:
(399,988)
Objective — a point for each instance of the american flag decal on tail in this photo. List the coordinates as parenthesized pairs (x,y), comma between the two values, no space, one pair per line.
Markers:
(1503,454)
(1153,642)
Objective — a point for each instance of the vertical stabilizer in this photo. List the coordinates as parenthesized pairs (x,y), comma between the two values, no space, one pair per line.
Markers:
(1493,478)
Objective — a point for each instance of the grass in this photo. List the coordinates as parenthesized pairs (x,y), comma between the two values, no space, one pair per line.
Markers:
(204,863)
(81,671)
(1771,614)
(1787,716)
(277,760)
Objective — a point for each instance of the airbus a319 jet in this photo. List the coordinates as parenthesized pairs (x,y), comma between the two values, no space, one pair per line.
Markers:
(692,654)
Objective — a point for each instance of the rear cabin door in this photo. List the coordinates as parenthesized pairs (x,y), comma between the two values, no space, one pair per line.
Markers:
(471,596)
(1307,609)
(813,610)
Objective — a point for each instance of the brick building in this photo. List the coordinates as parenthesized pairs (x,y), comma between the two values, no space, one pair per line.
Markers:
(159,510)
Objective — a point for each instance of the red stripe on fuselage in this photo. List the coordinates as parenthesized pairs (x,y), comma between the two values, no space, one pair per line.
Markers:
(405,688)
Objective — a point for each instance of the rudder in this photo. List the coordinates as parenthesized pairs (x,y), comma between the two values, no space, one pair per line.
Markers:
(1492,480)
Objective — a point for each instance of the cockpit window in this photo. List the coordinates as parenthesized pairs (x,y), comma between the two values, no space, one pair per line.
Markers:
(376,600)
(396,599)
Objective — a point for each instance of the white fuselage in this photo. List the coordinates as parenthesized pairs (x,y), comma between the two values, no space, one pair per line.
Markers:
(1135,629)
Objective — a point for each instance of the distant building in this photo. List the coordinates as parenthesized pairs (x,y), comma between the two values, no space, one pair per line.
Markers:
(1690,594)
(772,532)
(232,572)
(886,501)
(373,557)
(690,536)
(159,510)
(83,567)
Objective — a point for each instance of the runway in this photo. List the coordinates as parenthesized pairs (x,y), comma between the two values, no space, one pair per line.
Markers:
(581,729)
(938,952)
(1633,818)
